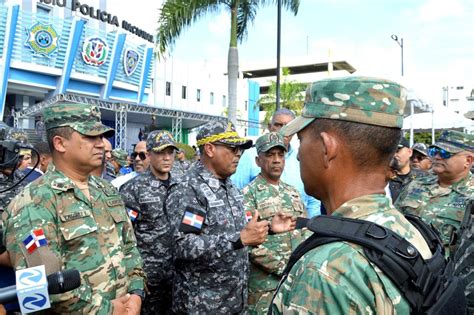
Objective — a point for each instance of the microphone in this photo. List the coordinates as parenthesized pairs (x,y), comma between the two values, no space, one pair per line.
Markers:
(31,288)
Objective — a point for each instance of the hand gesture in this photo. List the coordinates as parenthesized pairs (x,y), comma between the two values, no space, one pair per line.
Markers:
(134,304)
(119,305)
(255,232)
(283,222)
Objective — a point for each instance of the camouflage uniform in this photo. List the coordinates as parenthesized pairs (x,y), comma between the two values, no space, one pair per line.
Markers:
(268,260)
(94,236)
(207,215)
(337,278)
(443,207)
(120,156)
(145,197)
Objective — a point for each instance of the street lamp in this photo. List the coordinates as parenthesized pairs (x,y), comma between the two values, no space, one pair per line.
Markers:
(277,105)
(400,43)
(412,109)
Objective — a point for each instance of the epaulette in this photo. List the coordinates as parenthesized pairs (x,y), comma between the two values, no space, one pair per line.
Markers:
(62,184)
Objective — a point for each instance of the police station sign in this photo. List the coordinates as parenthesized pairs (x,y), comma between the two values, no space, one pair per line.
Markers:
(103,16)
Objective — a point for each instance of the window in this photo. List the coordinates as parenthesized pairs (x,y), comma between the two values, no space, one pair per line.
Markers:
(223,100)
(43,9)
(246,105)
(168,88)
(183,92)
(198,95)
(211,98)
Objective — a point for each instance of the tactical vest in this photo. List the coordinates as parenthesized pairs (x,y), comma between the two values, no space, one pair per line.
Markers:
(428,285)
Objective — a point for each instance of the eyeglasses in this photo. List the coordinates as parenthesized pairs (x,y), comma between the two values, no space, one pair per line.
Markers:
(232,148)
(141,155)
(419,157)
(433,151)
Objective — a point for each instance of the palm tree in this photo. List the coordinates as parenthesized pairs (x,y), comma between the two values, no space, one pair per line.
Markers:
(291,96)
(177,14)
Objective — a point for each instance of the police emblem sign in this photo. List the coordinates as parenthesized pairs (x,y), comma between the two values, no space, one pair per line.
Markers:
(42,39)
(130,61)
(95,51)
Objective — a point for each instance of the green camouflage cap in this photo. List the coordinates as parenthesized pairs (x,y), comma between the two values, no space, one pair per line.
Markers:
(120,156)
(269,141)
(455,141)
(159,140)
(421,148)
(221,132)
(83,118)
(364,100)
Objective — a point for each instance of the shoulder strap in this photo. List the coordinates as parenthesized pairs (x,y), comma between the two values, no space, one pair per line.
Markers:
(395,256)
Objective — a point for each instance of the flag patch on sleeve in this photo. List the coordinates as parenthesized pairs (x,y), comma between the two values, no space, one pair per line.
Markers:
(248,216)
(192,221)
(35,240)
(133,214)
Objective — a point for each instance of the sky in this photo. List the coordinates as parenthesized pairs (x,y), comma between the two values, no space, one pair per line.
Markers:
(438,38)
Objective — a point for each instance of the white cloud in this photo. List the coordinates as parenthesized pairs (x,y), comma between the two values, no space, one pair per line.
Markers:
(433,10)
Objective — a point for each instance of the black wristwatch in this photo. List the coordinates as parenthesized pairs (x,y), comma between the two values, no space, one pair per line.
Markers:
(237,244)
(141,293)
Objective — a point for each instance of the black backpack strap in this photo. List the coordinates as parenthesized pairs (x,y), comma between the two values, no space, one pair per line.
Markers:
(395,256)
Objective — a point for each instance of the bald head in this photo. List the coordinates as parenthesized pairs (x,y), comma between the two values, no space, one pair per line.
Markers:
(140,160)
(107,150)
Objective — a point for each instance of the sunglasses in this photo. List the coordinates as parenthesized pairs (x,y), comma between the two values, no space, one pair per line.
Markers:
(141,155)
(233,149)
(419,157)
(433,151)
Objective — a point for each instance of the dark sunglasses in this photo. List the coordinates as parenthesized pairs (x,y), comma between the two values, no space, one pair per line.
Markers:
(141,155)
(419,157)
(433,151)
(234,149)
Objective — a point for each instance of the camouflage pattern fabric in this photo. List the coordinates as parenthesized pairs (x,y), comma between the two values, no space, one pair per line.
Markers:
(399,182)
(180,168)
(120,156)
(268,141)
(443,207)
(223,132)
(85,119)
(337,278)
(268,260)
(366,100)
(158,140)
(210,275)
(464,258)
(146,195)
(7,196)
(455,141)
(93,236)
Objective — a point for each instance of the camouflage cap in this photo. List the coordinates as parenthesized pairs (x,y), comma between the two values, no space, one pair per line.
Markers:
(159,140)
(269,141)
(221,132)
(364,100)
(421,148)
(120,156)
(455,141)
(83,118)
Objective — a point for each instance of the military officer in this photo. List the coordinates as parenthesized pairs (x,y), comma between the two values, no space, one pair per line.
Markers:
(441,199)
(115,163)
(77,221)
(210,233)
(270,195)
(349,130)
(145,197)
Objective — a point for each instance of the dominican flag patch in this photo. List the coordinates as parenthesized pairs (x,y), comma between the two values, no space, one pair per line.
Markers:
(248,216)
(133,214)
(34,240)
(192,221)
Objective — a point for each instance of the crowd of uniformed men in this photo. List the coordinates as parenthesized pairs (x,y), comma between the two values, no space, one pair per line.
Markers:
(157,234)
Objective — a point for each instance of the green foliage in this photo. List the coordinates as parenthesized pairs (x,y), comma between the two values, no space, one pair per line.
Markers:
(291,96)
(425,137)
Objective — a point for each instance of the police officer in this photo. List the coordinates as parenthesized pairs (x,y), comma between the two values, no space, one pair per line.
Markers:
(270,195)
(441,199)
(349,130)
(77,221)
(209,228)
(145,197)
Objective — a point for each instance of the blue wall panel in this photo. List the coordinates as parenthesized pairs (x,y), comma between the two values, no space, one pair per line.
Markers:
(33,77)
(80,86)
(120,93)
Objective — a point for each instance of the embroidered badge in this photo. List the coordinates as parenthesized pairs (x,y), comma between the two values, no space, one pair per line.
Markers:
(192,221)
(133,214)
(34,240)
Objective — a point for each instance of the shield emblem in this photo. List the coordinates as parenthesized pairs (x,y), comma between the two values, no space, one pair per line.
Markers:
(130,61)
